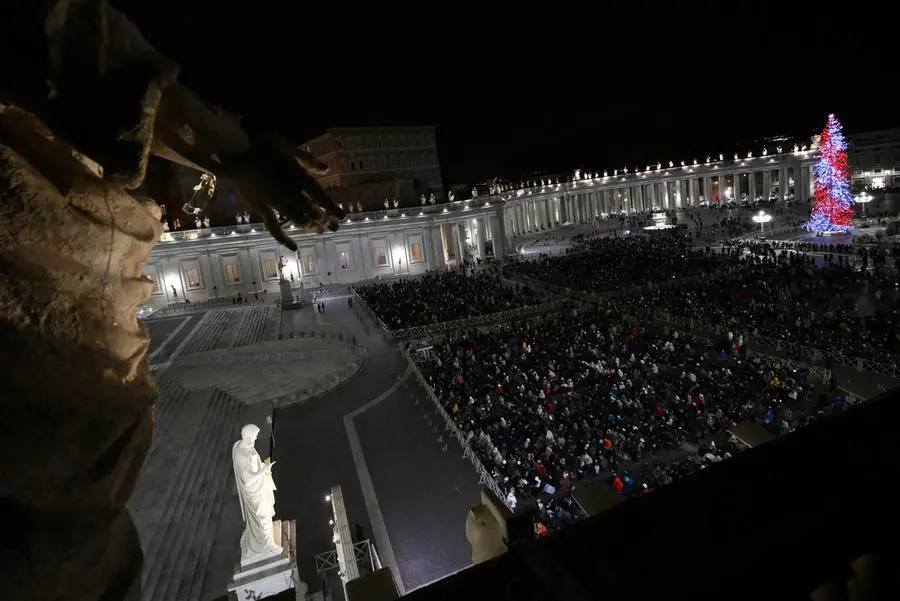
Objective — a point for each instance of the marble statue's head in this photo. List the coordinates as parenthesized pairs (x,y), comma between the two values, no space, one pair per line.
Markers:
(249,433)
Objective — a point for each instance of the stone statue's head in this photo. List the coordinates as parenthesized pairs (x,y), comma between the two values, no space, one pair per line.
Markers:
(249,433)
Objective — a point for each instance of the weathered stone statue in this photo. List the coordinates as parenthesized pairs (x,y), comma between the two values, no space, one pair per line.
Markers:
(84,101)
(256,493)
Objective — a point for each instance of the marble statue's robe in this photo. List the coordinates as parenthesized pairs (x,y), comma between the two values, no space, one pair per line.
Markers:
(256,493)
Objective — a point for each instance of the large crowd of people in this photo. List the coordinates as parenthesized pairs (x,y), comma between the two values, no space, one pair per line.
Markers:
(603,264)
(838,305)
(589,395)
(443,296)
(544,411)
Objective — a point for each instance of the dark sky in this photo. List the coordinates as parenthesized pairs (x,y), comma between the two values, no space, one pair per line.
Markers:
(553,89)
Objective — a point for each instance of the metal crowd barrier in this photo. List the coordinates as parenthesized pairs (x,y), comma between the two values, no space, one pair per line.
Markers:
(484,477)
(478,320)
(358,300)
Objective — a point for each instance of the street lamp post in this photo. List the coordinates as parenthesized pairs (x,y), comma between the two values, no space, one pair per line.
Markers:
(762,218)
(863,198)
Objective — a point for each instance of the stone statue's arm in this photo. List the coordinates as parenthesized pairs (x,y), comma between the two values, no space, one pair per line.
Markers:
(271,174)
(251,480)
(107,92)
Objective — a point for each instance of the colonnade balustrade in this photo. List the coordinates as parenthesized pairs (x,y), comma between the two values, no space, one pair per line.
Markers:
(586,198)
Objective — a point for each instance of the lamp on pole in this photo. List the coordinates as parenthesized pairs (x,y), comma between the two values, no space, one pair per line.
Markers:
(762,218)
(863,198)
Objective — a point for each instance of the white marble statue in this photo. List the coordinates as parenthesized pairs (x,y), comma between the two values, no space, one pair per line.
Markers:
(431,198)
(387,204)
(198,223)
(256,493)
(451,196)
(423,200)
(474,192)
(246,216)
(239,218)
(165,226)
(396,203)
(359,208)
(206,222)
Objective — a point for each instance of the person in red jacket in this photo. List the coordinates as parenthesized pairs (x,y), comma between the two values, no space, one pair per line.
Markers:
(618,485)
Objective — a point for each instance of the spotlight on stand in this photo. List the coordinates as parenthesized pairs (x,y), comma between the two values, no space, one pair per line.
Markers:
(762,218)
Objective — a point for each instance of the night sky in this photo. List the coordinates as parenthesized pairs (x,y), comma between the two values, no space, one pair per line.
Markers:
(511,93)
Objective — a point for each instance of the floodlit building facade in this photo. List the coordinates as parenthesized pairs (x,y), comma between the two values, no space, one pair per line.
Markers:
(221,262)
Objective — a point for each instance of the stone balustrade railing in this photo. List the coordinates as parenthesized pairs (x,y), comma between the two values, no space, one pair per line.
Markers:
(365,216)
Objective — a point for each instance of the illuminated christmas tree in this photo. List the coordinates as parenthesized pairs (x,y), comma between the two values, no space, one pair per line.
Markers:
(832,209)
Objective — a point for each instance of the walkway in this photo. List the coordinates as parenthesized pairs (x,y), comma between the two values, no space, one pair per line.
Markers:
(409,495)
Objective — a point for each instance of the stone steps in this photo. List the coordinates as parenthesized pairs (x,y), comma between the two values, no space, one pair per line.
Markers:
(174,433)
(170,403)
(195,459)
(273,326)
(254,329)
(208,332)
(236,320)
(262,358)
(190,567)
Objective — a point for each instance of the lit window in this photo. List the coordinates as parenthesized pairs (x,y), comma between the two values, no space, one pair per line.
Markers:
(270,270)
(192,276)
(232,273)
(381,256)
(345,259)
(415,253)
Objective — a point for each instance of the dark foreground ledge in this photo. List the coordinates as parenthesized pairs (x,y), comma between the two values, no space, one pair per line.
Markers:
(815,511)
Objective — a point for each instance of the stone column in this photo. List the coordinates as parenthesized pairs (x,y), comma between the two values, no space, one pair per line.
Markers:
(782,183)
(499,237)
(806,182)
(767,183)
(460,242)
(695,191)
(482,237)
(437,247)
(751,190)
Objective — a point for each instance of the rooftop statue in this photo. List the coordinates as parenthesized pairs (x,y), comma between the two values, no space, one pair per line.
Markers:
(83,104)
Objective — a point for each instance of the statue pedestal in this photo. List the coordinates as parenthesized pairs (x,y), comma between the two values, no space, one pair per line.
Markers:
(269,575)
(287,296)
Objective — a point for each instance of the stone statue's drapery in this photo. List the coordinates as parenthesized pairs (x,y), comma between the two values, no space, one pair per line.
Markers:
(256,494)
